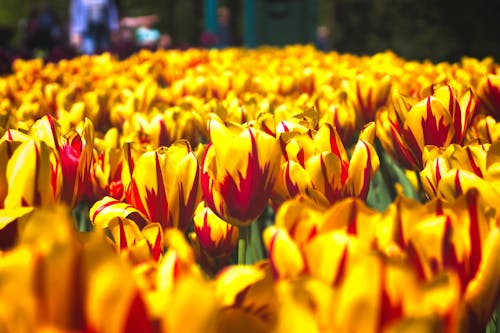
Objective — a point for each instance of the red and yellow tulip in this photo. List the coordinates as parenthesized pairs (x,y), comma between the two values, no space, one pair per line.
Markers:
(317,165)
(238,171)
(440,119)
(170,195)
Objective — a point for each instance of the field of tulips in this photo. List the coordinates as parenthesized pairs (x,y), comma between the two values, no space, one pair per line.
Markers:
(265,190)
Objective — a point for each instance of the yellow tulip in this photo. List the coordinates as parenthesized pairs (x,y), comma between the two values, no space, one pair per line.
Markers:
(217,238)
(439,119)
(317,166)
(171,194)
(284,255)
(34,176)
(368,93)
(488,92)
(238,172)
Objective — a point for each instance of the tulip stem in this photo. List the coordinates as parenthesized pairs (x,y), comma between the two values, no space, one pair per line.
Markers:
(244,233)
(255,241)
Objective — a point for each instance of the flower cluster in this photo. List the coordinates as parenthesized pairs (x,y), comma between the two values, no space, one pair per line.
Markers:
(266,190)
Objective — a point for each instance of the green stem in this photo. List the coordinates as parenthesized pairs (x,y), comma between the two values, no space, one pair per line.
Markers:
(384,169)
(242,245)
(422,196)
(256,241)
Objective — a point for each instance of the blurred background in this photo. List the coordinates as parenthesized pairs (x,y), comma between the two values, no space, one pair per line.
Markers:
(414,29)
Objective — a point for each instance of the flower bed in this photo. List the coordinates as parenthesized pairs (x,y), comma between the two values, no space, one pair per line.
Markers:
(267,190)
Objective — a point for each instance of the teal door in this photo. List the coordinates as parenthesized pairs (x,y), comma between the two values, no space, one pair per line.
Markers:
(284,22)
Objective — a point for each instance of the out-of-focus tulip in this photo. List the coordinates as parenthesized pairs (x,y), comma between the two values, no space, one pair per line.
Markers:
(247,298)
(10,220)
(439,161)
(107,168)
(368,93)
(238,172)
(484,129)
(440,119)
(488,92)
(106,209)
(171,194)
(284,255)
(301,217)
(8,144)
(450,173)
(217,238)
(341,114)
(137,245)
(75,152)
(34,176)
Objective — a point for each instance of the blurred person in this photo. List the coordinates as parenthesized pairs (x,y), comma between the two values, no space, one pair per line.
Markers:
(223,33)
(165,42)
(43,30)
(93,25)
(146,35)
(322,38)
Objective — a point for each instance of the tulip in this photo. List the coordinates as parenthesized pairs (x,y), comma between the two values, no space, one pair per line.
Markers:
(137,245)
(368,93)
(238,172)
(439,120)
(488,92)
(8,144)
(319,168)
(75,152)
(247,299)
(33,175)
(217,238)
(108,167)
(450,173)
(342,115)
(484,129)
(171,195)
(108,208)
(438,162)
(284,256)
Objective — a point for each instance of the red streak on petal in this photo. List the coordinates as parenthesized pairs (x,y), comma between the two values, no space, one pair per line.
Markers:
(435,133)
(186,210)
(331,194)
(247,196)
(352,227)
(272,259)
(104,206)
(291,187)
(450,257)
(156,249)
(138,319)
(389,311)
(474,232)
(123,236)
(366,174)
(415,260)
(475,168)
(157,203)
(433,188)
(203,234)
(207,183)
(402,153)
(163,135)
(341,268)
(37,194)
(53,130)
(458,186)
(300,157)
